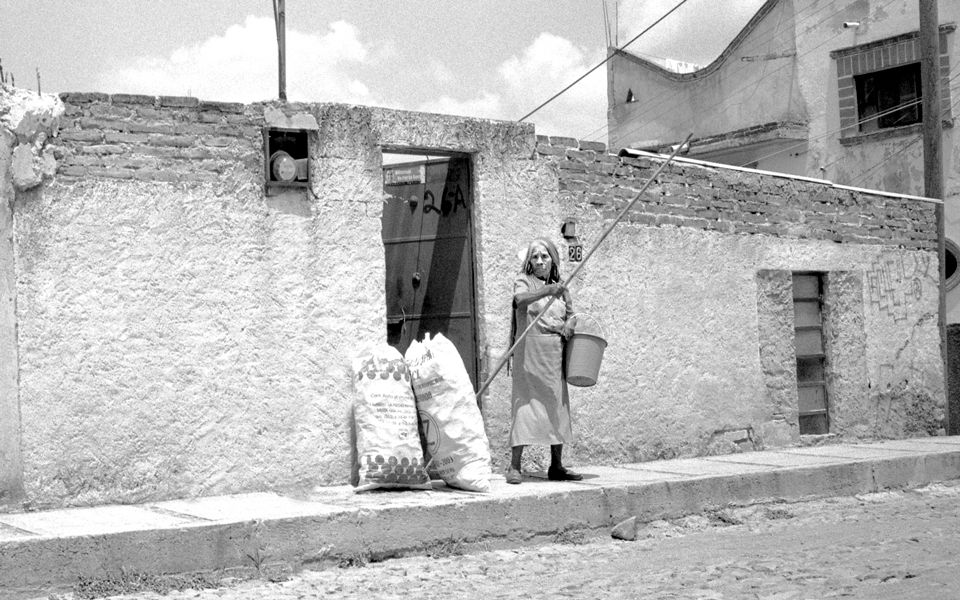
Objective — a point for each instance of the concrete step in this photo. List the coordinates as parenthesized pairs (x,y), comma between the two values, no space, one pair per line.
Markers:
(263,534)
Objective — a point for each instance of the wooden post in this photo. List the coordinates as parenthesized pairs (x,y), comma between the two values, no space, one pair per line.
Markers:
(281,18)
(933,161)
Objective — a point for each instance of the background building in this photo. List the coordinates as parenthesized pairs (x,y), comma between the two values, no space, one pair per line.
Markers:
(829,90)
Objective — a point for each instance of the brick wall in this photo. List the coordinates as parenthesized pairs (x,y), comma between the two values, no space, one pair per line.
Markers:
(730,200)
(150,138)
(181,139)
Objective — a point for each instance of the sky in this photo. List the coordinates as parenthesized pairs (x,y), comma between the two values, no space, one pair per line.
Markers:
(485,58)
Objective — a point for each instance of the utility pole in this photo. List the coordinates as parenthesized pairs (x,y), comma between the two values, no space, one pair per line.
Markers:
(280,17)
(933,163)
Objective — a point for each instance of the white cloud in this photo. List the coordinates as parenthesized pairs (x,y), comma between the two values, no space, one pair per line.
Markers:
(485,106)
(333,66)
(545,67)
(241,66)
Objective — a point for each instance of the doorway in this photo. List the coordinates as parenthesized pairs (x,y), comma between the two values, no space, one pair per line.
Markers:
(427,232)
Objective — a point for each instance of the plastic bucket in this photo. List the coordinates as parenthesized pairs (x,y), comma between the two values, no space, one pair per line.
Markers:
(584,355)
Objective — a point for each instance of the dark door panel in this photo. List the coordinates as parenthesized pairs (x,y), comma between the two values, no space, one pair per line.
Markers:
(428,247)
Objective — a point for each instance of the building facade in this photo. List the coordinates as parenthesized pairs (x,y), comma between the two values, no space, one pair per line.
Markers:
(185,283)
(828,90)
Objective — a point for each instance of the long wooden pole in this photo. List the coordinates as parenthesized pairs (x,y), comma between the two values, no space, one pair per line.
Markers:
(933,167)
(566,282)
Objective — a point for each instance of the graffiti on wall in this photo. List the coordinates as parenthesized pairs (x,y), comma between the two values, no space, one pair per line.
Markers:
(893,281)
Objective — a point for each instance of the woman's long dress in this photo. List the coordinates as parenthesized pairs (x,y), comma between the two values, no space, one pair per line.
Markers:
(540,406)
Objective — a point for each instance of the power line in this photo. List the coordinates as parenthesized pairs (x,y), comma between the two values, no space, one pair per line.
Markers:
(756,82)
(603,62)
(641,114)
(770,38)
(858,123)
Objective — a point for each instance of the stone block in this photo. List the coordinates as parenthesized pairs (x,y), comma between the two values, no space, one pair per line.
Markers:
(548,150)
(223,107)
(119,137)
(132,99)
(179,101)
(150,127)
(83,97)
(110,111)
(581,155)
(220,141)
(81,135)
(566,142)
(598,147)
(625,530)
(102,149)
(111,172)
(177,141)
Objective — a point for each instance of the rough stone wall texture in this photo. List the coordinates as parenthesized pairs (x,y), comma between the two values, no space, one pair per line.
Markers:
(688,288)
(182,333)
(778,355)
(27,120)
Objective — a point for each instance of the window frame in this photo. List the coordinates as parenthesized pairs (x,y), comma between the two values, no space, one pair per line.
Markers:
(885,83)
(876,57)
(811,422)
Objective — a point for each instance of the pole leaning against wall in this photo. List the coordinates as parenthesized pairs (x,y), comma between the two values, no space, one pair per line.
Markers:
(503,359)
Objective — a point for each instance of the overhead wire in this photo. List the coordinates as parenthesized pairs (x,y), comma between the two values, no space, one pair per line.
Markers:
(601,63)
(732,96)
(642,114)
(798,21)
(804,142)
(863,175)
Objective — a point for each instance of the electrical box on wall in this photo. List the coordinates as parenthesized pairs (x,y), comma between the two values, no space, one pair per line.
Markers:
(286,157)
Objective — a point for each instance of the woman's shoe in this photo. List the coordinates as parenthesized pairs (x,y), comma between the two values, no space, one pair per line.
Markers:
(513,476)
(562,474)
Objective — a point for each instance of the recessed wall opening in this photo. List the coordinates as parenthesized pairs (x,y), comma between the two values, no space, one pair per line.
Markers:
(427,231)
(813,413)
(286,154)
(889,98)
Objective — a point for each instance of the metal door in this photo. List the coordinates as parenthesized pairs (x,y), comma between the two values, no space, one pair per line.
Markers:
(428,243)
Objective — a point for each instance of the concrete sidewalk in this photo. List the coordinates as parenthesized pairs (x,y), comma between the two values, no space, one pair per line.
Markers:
(267,534)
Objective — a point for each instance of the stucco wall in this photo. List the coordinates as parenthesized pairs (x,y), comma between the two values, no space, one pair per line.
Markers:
(701,355)
(901,155)
(890,161)
(182,333)
(719,98)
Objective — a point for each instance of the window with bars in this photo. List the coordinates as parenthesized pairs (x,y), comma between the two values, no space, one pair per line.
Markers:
(808,327)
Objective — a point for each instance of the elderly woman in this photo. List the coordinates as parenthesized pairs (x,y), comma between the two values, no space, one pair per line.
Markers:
(541,406)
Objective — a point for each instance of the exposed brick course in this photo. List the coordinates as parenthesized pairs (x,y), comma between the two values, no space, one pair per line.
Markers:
(187,141)
(165,138)
(736,201)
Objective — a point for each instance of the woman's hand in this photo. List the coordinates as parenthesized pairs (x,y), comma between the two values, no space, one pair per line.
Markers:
(569,327)
(555,289)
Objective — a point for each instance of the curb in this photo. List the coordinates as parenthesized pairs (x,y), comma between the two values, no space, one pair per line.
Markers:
(264,534)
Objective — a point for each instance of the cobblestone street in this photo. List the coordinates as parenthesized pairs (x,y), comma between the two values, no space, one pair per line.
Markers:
(878,546)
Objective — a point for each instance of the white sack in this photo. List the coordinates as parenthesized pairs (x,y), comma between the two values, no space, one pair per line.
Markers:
(388,444)
(450,420)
